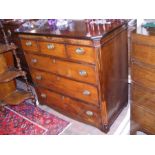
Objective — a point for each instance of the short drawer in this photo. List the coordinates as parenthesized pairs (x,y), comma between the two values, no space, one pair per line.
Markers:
(71,70)
(143,53)
(29,45)
(81,53)
(71,107)
(53,49)
(143,75)
(143,97)
(66,86)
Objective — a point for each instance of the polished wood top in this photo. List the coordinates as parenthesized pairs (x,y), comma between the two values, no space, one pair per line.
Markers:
(77,29)
(13,22)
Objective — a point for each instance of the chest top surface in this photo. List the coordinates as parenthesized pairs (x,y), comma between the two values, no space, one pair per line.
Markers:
(77,29)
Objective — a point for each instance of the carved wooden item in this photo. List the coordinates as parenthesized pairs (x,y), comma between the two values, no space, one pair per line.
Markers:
(84,77)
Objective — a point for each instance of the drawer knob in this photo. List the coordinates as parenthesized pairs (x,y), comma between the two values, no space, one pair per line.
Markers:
(50,46)
(28,43)
(44,96)
(34,60)
(80,51)
(86,92)
(89,113)
(82,72)
(38,77)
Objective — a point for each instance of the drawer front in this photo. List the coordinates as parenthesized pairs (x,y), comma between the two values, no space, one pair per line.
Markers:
(29,45)
(143,97)
(64,68)
(69,106)
(86,54)
(71,88)
(145,118)
(144,53)
(143,75)
(53,49)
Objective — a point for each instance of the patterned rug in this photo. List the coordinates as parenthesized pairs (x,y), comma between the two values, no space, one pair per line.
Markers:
(26,119)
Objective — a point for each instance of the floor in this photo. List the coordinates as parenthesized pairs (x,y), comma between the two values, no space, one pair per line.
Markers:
(120,127)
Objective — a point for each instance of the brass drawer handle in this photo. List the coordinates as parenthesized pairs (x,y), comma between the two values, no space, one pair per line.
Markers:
(86,93)
(39,77)
(34,60)
(50,46)
(28,43)
(89,113)
(44,96)
(80,51)
(83,73)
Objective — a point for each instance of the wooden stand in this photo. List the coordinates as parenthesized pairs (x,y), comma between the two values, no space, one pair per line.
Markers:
(9,95)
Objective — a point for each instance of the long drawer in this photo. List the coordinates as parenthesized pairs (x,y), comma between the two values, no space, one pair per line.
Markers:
(71,88)
(69,106)
(143,97)
(75,71)
(143,53)
(143,75)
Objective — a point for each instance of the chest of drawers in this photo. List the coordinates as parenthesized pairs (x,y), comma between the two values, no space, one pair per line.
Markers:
(82,77)
(143,81)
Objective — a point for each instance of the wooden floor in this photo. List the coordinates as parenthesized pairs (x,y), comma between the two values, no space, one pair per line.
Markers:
(120,127)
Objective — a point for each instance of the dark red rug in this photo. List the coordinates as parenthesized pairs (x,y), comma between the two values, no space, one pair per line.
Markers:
(26,119)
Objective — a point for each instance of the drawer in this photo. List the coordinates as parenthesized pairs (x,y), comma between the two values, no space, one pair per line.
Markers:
(66,86)
(144,117)
(144,53)
(53,49)
(71,70)
(70,107)
(143,97)
(29,45)
(81,53)
(143,75)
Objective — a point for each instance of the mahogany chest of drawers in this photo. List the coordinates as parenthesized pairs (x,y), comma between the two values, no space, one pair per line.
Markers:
(143,81)
(84,77)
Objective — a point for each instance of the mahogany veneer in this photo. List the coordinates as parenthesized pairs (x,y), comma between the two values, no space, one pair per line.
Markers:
(84,77)
(143,81)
